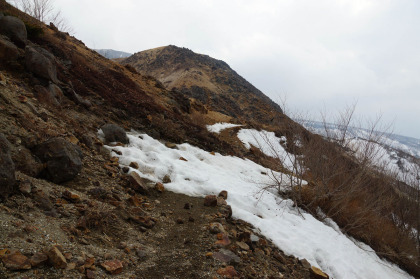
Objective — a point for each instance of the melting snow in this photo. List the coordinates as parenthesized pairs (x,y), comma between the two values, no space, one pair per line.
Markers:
(303,236)
(218,127)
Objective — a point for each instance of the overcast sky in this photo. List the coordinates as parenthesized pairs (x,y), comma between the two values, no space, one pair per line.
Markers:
(319,54)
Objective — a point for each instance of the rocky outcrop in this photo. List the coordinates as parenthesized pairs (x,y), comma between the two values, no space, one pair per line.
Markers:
(7,168)
(114,133)
(40,63)
(8,51)
(63,159)
(15,29)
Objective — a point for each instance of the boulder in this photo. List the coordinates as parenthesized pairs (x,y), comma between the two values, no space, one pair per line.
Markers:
(56,258)
(7,168)
(63,159)
(15,29)
(114,133)
(8,51)
(39,64)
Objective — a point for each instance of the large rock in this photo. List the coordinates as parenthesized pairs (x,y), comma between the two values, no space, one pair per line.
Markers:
(8,51)
(40,63)
(63,159)
(114,133)
(7,168)
(16,261)
(15,29)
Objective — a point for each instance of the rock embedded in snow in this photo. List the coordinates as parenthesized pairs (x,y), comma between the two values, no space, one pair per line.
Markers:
(223,194)
(317,273)
(134,165)
(166,179)
(114,133)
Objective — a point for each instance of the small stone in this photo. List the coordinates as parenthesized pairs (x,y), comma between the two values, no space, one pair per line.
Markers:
(223,240)
(134,165)
(16,261)
(228,272)
(262,242)
(317,273)
(279,257)
(209,254)
(210,200)
(135,200)
(242,245)
(56,258)
(179,221)
(216,228)
(166,179)
(125,169)
(137,183)
(90,274)
(183,159)
(254,238)
(213,153)
(113,266)
(71,266)
(70,196)
(226,256)
(159,187)
(305,263)
(89,262)
(223,194)
(38,259)
(187,206)
(191,219)
(170,145)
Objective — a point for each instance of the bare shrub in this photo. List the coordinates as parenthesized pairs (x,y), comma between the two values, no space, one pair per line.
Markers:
(44,11)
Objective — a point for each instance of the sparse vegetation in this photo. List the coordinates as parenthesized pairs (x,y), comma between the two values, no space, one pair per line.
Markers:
(346,183)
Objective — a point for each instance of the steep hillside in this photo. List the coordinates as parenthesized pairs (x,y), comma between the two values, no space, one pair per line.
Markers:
(209,81)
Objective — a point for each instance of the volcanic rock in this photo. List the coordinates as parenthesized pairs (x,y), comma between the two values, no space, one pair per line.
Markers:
(15,29)
(63,159)
(114,133)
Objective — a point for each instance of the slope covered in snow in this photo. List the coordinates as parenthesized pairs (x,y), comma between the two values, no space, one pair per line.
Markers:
(202,173)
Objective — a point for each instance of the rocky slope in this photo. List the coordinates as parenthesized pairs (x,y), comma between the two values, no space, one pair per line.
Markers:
(68,210)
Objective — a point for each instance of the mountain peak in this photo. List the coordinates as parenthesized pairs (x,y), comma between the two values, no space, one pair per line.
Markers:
(207,80)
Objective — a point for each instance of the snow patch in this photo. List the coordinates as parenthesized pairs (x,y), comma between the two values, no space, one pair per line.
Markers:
(302,235)
(218,127)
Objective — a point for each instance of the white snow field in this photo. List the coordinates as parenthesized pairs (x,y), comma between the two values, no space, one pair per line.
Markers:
(304,236)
